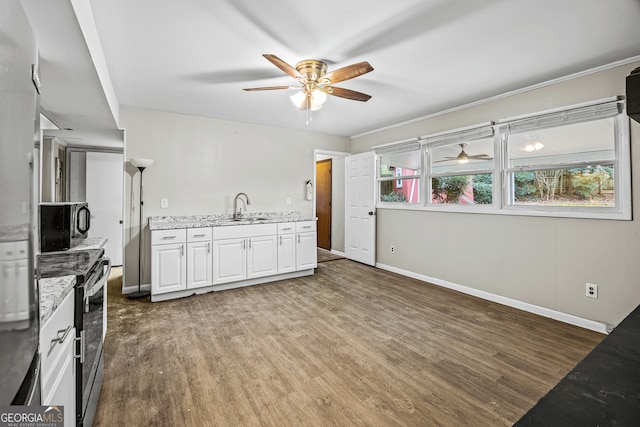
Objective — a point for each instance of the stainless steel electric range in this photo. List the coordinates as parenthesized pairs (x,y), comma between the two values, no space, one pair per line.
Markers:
(91,269)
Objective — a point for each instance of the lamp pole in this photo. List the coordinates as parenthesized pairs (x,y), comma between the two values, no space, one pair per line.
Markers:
(141,164)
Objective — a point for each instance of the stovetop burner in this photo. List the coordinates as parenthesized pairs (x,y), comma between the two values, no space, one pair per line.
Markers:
(67,263)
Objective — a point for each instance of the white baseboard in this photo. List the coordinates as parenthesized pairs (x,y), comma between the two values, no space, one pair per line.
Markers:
(134,288)
(333,251)
(593,325)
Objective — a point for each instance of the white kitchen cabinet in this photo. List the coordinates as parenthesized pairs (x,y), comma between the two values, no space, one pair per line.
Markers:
(199,258)
(286,247)
(244,252)
(57,362)
(262,256)
(306,245)
(244,258)
(14,299)
(229,260)
(168,261)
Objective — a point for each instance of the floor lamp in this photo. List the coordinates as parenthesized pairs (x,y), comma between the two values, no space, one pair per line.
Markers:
(141,164)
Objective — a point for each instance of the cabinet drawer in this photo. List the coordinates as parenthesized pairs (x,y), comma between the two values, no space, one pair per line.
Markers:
(10,251)
(286,227)
(305,226)
(160,237)
(198,234)
(55,332)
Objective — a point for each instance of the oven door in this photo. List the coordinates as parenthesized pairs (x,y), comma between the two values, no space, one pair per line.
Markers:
(92,334)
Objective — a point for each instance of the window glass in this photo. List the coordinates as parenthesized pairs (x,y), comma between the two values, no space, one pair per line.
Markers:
(572,165)
(399,176)
(463,173)
(463,189)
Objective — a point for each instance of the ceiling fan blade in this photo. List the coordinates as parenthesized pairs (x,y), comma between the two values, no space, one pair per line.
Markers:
(481,157)
(346,93)
(346,73)
(271,88)
(446,159)
(284,66)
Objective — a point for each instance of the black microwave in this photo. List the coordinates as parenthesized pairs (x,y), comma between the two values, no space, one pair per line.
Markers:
(63,225)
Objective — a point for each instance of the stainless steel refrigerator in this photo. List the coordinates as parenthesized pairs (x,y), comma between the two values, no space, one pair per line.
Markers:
(19,134)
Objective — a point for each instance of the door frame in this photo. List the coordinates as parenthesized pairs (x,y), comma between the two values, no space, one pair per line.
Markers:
(319,154)
(329,190)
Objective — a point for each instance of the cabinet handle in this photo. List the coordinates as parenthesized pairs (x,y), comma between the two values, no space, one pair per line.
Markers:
(249,243)
(298,238)
(306,226)
(209,247)
(181,250)
(285,229)
(244,245)
(81,355)
(280,240)
(168,237)
(62,336)
(199,235)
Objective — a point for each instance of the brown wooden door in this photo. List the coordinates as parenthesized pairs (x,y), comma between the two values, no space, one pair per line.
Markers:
(323,203)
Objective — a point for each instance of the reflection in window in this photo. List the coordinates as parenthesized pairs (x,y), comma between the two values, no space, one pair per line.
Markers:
(462,173)
(399,175)
(571,165)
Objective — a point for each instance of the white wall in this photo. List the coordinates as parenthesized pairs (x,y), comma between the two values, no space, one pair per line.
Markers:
(541,261)
(200,164)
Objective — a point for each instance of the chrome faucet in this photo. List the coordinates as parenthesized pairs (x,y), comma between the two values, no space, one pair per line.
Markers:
(235,204)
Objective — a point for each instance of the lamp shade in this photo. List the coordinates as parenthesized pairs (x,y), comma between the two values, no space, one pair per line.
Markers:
(140,163)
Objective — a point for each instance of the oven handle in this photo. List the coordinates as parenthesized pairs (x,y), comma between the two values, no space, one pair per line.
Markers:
(92,289)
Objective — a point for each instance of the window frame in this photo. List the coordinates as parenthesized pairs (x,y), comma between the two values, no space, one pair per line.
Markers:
(502,187)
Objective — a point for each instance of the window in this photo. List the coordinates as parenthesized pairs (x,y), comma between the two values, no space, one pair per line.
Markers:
(565,161)
(399,173)
(462,173)
(461,166)
(571,162)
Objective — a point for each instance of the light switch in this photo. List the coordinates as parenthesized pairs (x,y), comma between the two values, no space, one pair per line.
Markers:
(164,203)
(288,200)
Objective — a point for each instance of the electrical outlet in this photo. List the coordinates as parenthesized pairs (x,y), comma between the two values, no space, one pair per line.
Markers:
(591,290)
(164,203)
(393,249)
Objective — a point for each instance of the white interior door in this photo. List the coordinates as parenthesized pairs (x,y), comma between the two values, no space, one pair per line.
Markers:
(360,208)
(104,194)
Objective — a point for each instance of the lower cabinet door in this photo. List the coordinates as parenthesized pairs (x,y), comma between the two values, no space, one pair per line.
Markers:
(286,253)
(59,385)
(306,251)
(229,260)
(262,256)
(199,265)
(168,268)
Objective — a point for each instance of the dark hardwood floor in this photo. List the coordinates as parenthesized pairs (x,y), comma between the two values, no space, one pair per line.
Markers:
(350,345)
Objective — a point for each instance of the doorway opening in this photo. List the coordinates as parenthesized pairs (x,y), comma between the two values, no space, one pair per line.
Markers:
(323,202)
(329,199)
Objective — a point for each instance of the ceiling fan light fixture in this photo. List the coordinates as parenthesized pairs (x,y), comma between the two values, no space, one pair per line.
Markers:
(462,157)
(298,98)
(534,147)
(318,97)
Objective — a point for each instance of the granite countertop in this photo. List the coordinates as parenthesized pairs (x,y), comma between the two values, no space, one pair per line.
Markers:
(52,293)
(57,272)
(12,233)
(220,220)
(602,390)
(90,243)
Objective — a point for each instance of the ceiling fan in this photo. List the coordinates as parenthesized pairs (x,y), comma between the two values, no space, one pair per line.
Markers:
(463,157)
(316,83)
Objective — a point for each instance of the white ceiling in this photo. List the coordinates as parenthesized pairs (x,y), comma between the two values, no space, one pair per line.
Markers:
(196,56)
